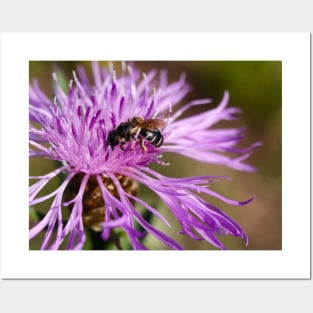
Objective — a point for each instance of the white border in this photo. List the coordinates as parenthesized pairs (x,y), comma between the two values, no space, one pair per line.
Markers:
(292,262)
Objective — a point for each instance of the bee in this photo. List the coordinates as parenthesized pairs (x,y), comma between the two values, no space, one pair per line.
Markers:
(137,128)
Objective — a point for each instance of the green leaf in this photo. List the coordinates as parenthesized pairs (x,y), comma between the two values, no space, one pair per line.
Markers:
(33,215)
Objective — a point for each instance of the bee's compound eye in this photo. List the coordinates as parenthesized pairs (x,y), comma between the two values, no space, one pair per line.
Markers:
(112,139)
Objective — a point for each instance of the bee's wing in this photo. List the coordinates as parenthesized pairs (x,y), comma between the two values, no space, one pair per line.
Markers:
(156,122)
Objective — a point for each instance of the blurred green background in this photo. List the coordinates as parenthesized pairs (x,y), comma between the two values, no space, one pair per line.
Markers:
(256,88)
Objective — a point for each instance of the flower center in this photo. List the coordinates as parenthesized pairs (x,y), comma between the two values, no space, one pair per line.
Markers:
(93,204)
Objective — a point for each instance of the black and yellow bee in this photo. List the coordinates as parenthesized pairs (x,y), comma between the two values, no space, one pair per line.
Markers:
(137,128)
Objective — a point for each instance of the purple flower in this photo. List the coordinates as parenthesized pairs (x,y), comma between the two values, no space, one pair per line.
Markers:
(101,165)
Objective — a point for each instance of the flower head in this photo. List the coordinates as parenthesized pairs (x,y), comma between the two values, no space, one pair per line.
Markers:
(106,134)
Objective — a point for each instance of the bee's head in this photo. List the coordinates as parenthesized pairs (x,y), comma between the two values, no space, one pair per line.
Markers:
(112,139)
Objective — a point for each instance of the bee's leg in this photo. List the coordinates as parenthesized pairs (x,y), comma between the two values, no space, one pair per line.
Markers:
(133,144)
(136,135)
(142,145)
(122,143)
